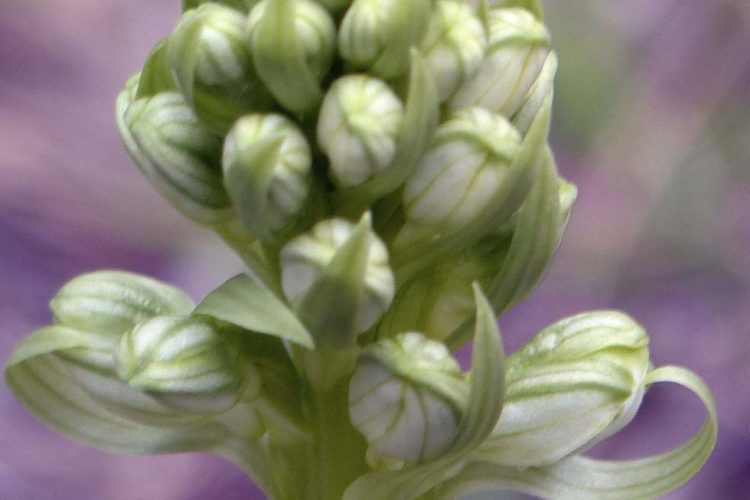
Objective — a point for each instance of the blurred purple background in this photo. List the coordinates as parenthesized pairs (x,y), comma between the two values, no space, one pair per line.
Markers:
(652,122)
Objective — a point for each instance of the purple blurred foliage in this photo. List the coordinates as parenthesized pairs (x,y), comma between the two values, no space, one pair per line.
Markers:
(652,122)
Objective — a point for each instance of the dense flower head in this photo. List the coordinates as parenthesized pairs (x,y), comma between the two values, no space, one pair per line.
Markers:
(383,170)
(328,109)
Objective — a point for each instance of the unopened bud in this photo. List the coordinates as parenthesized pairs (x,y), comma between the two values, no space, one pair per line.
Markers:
(213,66)
(518,47)
(406,398)
(466,175)
(357,128)
(177,155)
(183,362)
(338,279)
(376,35)
(454,45)
(266,172)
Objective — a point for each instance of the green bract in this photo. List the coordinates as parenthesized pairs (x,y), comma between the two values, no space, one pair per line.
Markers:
(382,168)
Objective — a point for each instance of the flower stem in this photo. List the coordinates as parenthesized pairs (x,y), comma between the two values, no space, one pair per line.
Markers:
(337,458)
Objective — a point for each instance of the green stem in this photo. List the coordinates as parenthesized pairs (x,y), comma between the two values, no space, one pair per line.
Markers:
(338,455)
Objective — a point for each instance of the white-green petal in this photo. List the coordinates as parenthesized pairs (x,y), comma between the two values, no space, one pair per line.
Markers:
(552,413)
(518,48)
(358,125)
(454,45)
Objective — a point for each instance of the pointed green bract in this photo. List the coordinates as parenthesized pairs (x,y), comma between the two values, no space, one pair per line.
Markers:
(246,302)
(338,280)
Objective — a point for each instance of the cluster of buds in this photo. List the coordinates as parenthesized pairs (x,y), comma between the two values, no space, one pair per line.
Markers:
(382,168)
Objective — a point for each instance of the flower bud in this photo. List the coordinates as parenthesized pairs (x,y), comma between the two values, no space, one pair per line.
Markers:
(376,35)
(359,120)
(338,279)
(177,155)
(183,363)
(266,172)
(293,44)
(213,67)
(576,382)
(518,47)
(111,302)
(315,32)
(406,398)
(466,176)
(454,45)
